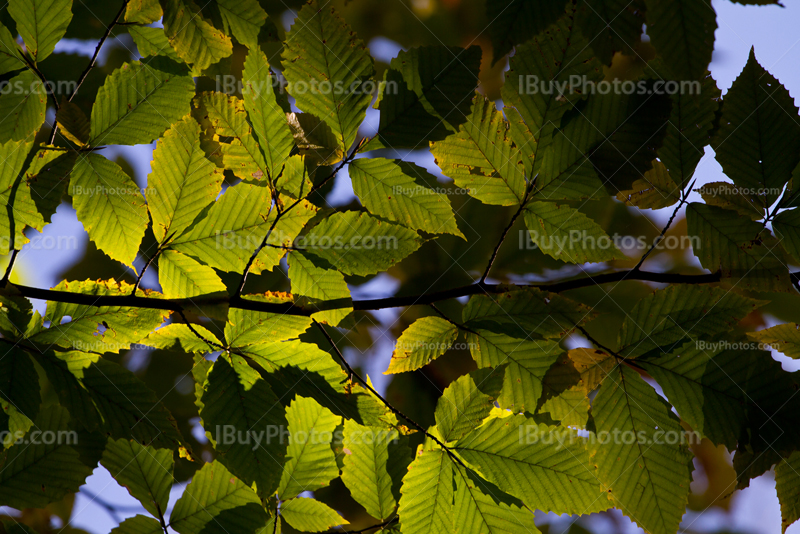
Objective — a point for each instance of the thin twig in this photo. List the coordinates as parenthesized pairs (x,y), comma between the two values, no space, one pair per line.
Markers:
(161,519)
(211,344)
(351,372)
(664,230)
(505,233)
(90,66)
(280,214)
(151,260)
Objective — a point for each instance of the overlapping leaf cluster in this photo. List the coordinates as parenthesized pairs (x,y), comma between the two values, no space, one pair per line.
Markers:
(232,191)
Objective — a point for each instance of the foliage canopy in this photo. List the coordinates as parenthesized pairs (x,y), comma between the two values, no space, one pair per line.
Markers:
(255,269)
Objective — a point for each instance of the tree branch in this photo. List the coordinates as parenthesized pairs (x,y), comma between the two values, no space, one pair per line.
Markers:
(290,308)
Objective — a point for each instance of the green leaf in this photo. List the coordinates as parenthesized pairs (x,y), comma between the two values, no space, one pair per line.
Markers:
(137,103)
(245,327)
(22,108)
(730,197)
(15,316)
(295,180)
(426,504)
(19,382)
(319,283)
(314,139)
(758,141)
(194,39)
(73,123)
(528,360)
(552,469)
(568,235)
(466,402)
(682,32)
(138,524)
(516,21)
(551,60)
(311,463)
(152,42)
(239,411)
(480,508)
(783,337)
(327,65)
(647,477)
(96,328)
(689,130)
(421,343)
(182,182)
(32,475)
(612,26)
(146,472)
(41,23)
(228,118)
(398,191)
(358,243)
(245,18)
(128,408)
(47,178)
(72,395)
(730,392)
(10,53)
(365,471)
(20,211)
(179,338)
(671,315)
(235,226)
(143,11)
(593,365)
(297,368)
(564,397)
(787,229)
(110,206)
(529,309)
(655,190)
(481,158)
(265,114)
(182,277)
(725,241)
(787,482)
(426,95)
(309,515)
(216,502)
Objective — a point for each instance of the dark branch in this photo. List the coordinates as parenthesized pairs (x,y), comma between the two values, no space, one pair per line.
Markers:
(178,305)
(9,268)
